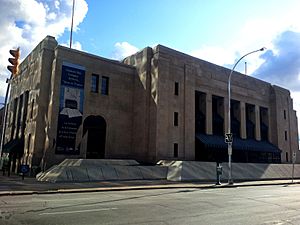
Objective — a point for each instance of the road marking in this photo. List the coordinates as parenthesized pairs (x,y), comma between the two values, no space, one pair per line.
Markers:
(62,199)
(77,211)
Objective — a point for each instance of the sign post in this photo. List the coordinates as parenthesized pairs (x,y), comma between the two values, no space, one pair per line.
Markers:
(228,140)
(24,169)
(294,160)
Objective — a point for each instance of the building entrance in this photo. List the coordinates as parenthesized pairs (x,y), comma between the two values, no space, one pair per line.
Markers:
(95,129)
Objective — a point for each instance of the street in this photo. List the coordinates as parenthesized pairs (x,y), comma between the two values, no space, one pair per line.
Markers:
(245,205)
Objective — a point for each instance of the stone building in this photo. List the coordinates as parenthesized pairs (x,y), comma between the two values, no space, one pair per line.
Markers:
(1,122)
(156,104)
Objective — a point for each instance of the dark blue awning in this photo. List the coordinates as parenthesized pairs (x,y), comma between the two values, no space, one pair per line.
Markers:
(14,146)
(217,142)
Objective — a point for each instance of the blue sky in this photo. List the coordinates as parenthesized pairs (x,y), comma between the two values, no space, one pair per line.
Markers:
(183,25)
(219,31)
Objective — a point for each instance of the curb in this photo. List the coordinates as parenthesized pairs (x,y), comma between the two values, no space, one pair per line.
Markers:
(148,187)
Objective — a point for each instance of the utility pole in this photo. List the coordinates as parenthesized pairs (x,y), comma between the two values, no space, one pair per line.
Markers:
(71,34)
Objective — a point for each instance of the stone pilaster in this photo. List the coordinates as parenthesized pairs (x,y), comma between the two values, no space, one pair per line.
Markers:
(225,104)
(243,120)
(257,123)
(209,126)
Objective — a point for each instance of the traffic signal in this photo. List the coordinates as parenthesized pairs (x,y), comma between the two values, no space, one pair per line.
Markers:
(15,61)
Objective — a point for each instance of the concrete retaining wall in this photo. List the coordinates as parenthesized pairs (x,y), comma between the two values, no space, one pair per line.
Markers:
(82,170)
(206,171)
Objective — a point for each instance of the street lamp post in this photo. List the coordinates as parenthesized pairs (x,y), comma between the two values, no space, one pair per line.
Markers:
(230,181)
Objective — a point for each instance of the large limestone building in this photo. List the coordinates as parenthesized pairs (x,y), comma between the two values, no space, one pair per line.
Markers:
(156,104)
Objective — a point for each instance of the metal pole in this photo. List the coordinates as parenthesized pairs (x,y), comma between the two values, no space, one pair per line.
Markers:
(71,34)
(293,169)
(230,181)
(293,172)
(4,117)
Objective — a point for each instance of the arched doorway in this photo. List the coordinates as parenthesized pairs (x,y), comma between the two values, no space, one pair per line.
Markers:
(95,129)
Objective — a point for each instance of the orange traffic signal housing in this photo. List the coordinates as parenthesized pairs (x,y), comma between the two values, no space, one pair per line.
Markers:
(15,61)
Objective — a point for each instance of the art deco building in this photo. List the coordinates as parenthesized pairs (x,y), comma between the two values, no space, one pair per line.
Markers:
(1,121)
(156,104)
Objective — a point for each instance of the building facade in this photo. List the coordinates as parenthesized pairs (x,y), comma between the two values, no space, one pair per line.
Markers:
(156,104)
(1,122)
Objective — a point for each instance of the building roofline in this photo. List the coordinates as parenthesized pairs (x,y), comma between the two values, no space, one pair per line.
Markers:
(116,62)
(161,48)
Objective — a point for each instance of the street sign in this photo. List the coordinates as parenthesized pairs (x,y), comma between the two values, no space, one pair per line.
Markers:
(24,168)
(228,138)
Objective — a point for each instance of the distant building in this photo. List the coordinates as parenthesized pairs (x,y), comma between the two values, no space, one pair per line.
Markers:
(156,104)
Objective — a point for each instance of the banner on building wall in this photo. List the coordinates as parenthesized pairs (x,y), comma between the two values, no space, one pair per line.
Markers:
(70,108)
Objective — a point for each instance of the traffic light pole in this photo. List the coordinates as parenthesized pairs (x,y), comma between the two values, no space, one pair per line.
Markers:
(14,69)
(4,117)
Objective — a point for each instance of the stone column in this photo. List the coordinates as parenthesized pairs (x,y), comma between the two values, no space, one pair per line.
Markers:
(208,114)
(23,119)
(243,120)
(15,122)
(269,126)
(257,123)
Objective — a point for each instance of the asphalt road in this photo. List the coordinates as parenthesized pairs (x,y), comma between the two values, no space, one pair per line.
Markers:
(245,205)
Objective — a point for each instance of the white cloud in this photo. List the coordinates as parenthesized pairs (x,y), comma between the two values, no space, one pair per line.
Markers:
(227,57)
(123,49)
(25,23)
(264,32)
(255,33)
(216,55)
(283,67)
(75,45)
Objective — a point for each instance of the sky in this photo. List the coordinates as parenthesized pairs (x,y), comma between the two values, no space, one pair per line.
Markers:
(218,31)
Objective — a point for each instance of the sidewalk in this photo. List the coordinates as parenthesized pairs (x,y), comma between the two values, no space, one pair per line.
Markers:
(14,185)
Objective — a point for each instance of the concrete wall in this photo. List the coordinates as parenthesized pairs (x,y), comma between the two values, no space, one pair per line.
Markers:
(206,171)
(101,170)
(83,170)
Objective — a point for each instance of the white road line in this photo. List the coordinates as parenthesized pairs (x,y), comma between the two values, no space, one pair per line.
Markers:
(63,199)
(77,211)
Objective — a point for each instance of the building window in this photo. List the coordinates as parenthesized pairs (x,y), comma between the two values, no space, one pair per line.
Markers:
(284,114)
(95,83)
(285,135)
(32,108)
(175,150)
(176,88)
(287,157)
(175,119)
(104,85)
(28,143)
